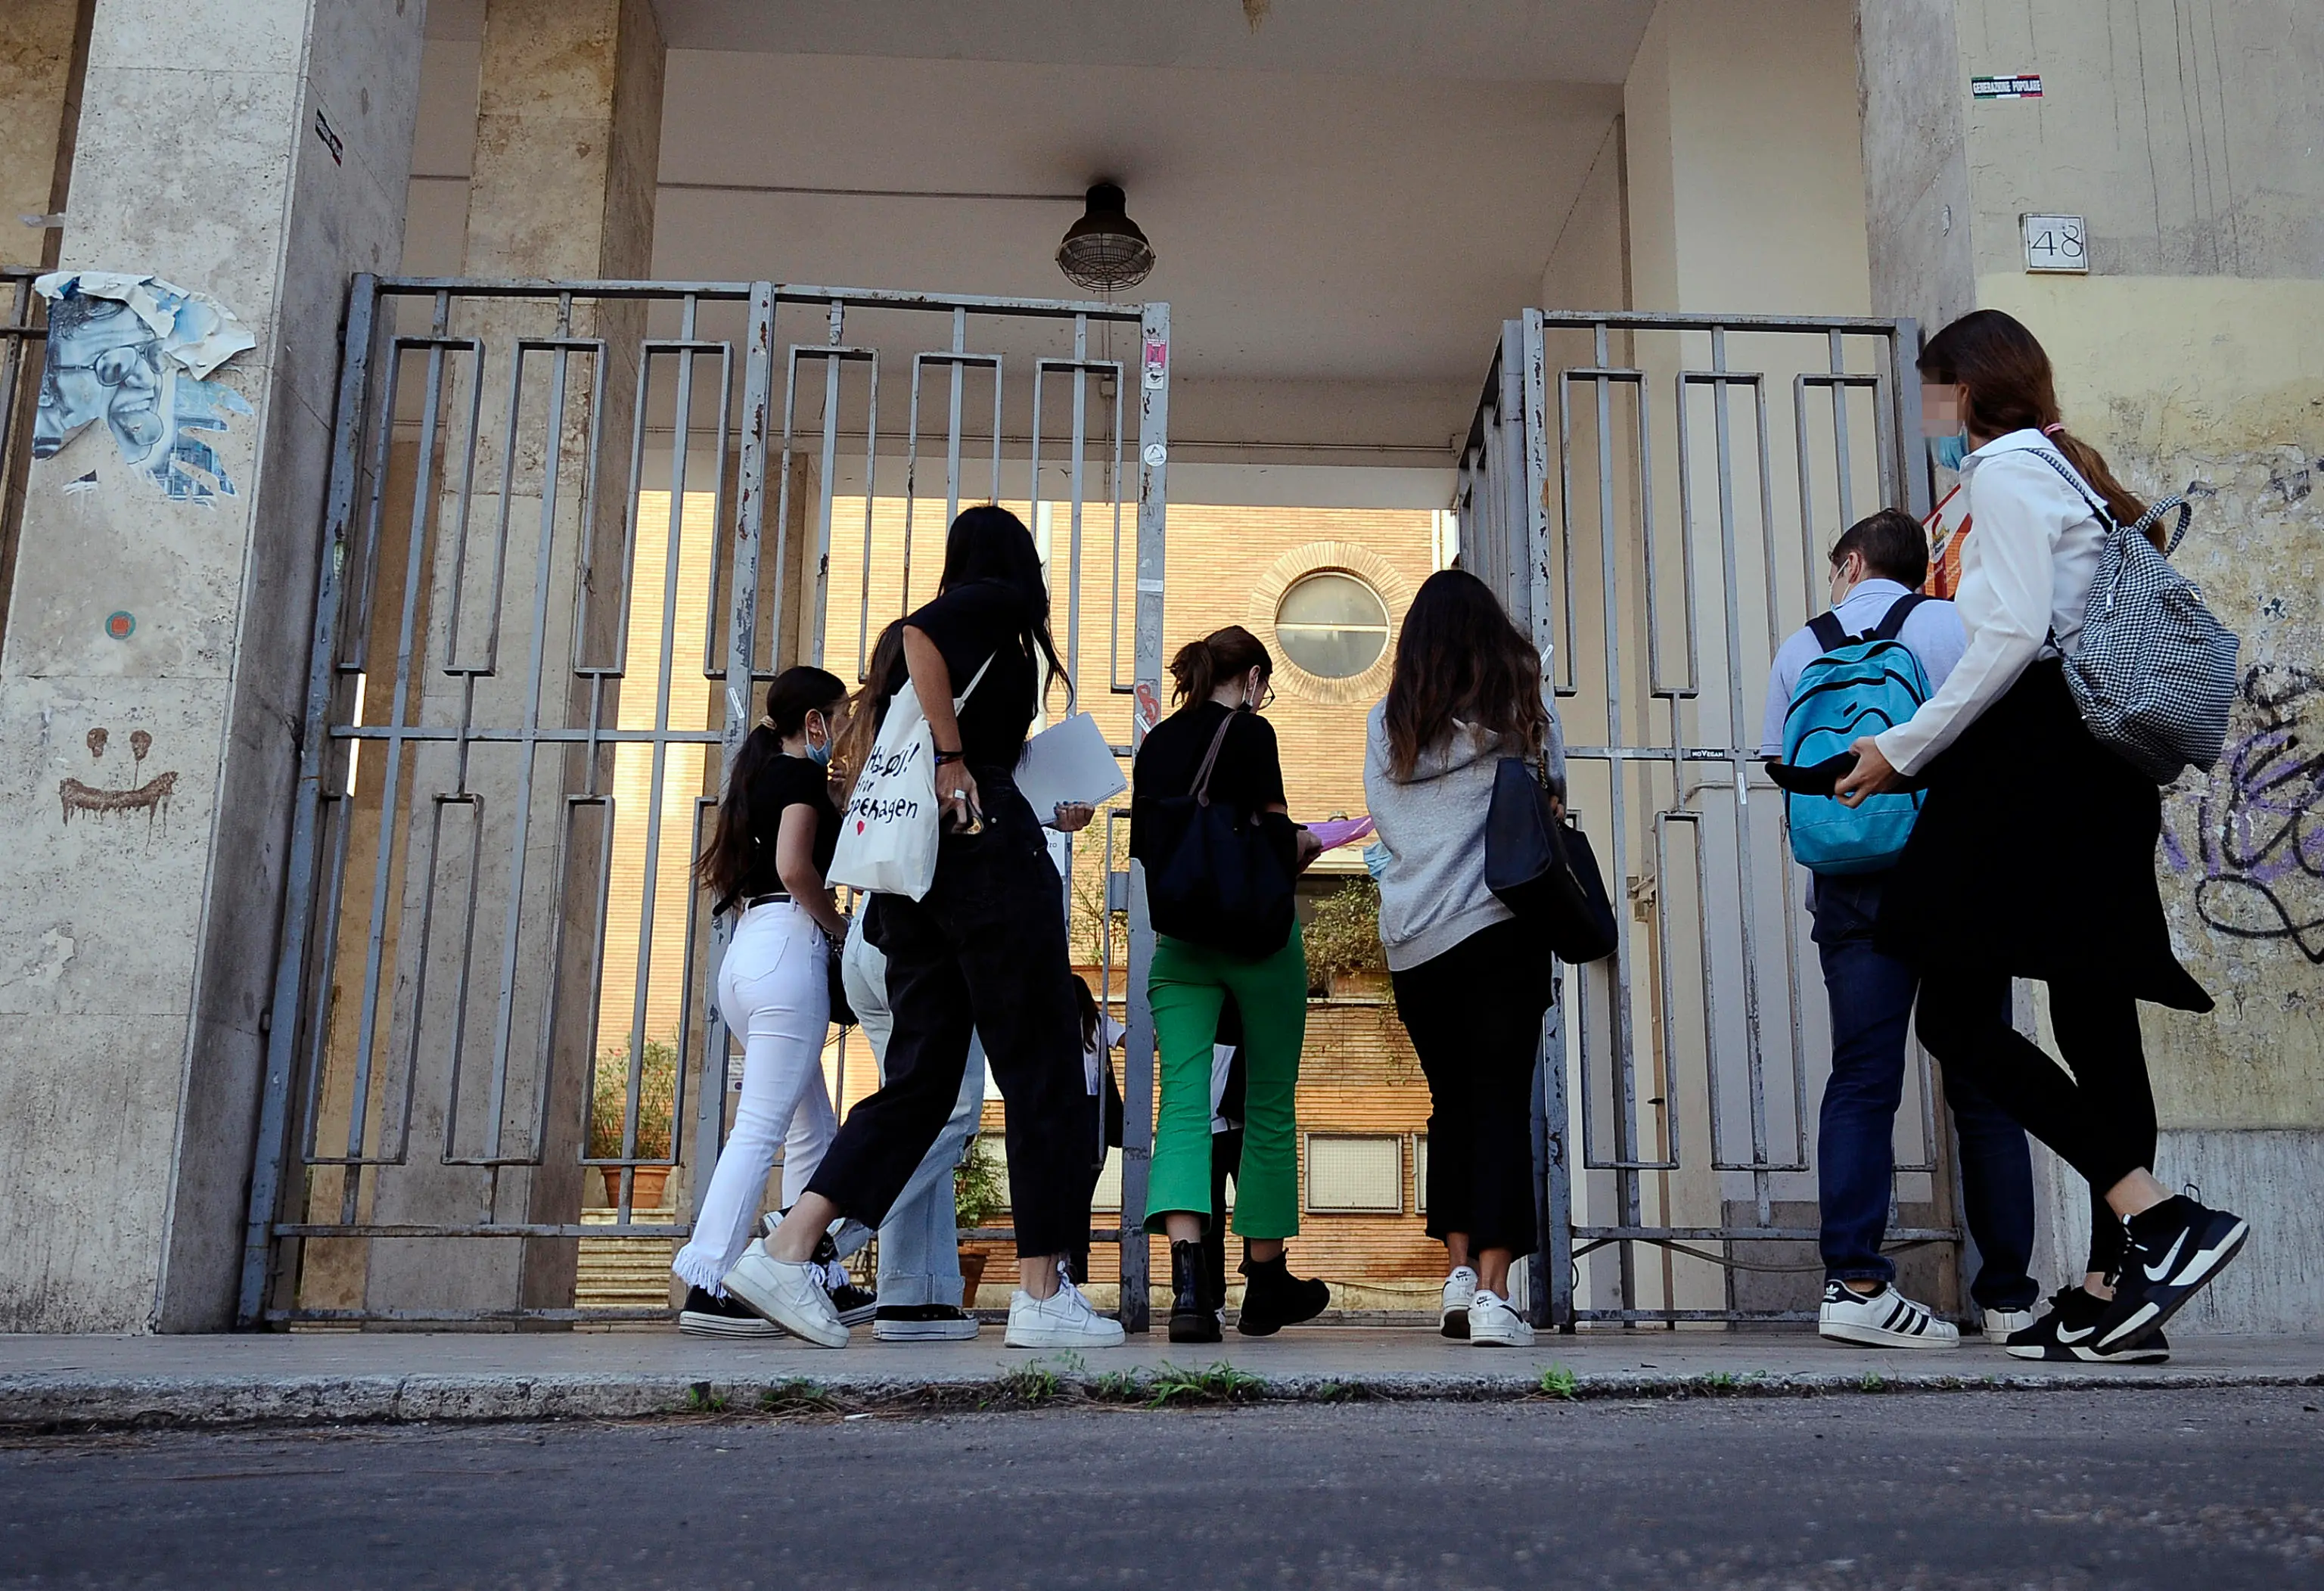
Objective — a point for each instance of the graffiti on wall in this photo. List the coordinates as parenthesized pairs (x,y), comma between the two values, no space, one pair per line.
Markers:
(119,799)
(2257,855)
(134,354)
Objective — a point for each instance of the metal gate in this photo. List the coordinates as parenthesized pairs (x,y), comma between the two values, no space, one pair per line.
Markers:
(547,504)
(1654,508)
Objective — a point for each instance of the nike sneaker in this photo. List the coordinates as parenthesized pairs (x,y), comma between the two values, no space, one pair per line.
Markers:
(2176,1250)
(2070,1332)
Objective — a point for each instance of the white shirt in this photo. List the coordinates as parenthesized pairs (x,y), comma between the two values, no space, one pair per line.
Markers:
(2026,570)
(1110,1032)
(1931,633)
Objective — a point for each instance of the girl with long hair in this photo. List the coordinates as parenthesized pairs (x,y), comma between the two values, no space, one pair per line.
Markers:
(1471,980)
(2033,855)
(1221,681)
(767,854)
(983,954)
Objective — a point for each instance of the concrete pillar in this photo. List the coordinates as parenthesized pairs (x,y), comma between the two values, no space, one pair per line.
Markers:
(2182,134)
(137,943)
(568,138)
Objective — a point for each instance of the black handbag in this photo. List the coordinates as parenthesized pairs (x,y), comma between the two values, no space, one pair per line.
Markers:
(1543,871)
(1221,882)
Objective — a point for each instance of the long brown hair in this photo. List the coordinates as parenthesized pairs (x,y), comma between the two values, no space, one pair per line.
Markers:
(794,693)
(852,749)
(2010,388)
(1202,666)
(1459,657)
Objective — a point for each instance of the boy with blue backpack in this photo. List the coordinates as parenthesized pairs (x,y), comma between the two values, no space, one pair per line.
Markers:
(1869,662)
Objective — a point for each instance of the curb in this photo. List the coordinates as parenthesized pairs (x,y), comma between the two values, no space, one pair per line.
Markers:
(30,1404)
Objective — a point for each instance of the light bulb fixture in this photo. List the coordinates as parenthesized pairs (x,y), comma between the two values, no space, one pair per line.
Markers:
(1104,252)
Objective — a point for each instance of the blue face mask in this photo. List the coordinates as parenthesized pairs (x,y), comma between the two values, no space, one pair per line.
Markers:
(820,755)
(1951,451)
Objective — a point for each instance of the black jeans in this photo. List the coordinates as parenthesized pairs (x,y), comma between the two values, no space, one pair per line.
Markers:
(1226,1157)
(1871,999)
(984,953)
(1474,1014)
(2101,1121)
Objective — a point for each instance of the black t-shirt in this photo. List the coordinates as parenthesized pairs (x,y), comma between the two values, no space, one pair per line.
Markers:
(1248,776)
(786,782)
(969,623)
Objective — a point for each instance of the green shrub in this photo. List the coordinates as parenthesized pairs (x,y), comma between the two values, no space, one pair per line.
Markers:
(1344,933)
(657,1098)
(979,1190)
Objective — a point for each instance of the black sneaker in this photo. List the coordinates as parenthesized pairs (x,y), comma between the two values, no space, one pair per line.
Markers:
(922,1323)
(709,1315)
(2176,1248)
(2070,1331)
(854,1304)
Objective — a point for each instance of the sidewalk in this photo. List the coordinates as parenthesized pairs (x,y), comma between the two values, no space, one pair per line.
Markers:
(327,1377)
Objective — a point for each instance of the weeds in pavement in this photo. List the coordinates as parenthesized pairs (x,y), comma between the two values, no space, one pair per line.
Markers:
(1558,1381)
(1221,1383)
(1119,1386)
(1719,1382)
(797,1396)
(1870,1382)
(701,1397)
(1034,1382)
(1340,1391)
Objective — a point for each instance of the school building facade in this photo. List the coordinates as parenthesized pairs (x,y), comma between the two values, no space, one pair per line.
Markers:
(293,1036)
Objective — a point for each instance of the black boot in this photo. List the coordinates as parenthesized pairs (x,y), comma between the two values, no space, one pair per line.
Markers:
(1192,1318)
(1273,1298)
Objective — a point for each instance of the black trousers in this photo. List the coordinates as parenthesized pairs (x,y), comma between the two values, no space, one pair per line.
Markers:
(2101,1121)
(1226,1161)
(984,953)
(1474,1014)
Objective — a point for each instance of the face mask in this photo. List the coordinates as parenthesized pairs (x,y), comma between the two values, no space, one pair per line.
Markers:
(820,755)
(1951,451)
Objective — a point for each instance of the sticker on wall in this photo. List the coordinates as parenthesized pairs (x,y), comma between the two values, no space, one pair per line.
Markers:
(136,352)
(1157,360)
(1156,455)
(121,626)
(2016,86)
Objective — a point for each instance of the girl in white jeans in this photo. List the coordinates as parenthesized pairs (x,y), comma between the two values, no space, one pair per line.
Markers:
(768,860)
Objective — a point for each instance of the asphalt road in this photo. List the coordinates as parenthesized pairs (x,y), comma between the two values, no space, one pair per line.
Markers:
(2124,1489)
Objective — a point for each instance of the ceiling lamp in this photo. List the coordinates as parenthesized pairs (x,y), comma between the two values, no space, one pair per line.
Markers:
(1104,252)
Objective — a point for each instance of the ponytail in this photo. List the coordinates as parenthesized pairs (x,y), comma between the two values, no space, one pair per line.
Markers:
(2010,387)
(1202,666)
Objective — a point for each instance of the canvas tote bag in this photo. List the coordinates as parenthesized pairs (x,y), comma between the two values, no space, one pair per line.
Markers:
(888,835)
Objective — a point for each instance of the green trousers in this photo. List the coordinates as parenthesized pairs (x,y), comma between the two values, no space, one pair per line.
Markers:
(1187,986)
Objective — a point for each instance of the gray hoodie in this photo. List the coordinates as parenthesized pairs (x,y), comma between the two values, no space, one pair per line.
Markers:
(1433,893)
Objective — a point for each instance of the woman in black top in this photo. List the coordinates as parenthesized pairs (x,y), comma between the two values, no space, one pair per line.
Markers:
(767,859)
(1221,681)
(983,952)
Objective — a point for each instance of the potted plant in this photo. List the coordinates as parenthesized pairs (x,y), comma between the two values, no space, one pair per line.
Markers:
(608,1103)
(980,1191)
(1343,943)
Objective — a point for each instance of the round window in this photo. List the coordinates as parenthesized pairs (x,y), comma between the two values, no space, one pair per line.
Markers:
(1332,624)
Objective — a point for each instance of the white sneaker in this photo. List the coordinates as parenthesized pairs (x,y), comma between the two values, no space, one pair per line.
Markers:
(1884,1320)
(1061,1320)
(1492,1324)
(2000,1323)
(1460,1292)
(790,1295)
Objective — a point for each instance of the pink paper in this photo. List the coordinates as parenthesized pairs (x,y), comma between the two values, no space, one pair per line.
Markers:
(1341,831)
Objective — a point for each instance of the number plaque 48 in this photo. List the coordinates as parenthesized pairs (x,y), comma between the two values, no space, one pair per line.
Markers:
(2055,244)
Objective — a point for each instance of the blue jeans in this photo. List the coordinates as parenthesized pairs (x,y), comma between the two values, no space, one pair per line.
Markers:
(1871,997)
(919,1242)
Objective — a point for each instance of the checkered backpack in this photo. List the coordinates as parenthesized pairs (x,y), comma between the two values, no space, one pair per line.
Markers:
(2154,671)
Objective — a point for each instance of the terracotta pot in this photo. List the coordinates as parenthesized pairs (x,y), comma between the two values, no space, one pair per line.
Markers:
(645,1193)
(972,1276)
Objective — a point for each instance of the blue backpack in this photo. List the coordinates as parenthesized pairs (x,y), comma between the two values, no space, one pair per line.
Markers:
(1861,685)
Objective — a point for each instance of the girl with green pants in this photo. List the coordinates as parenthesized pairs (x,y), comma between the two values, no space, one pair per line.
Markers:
(1221,680)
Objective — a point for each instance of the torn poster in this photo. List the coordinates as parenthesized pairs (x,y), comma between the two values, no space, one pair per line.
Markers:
(136,352)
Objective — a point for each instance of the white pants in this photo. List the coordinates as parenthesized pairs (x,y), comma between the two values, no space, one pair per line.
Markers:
(919,1242)
(773,993)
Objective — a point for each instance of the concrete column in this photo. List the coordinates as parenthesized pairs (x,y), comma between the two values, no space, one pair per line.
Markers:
(137,942)
(2183,134)
(568,138)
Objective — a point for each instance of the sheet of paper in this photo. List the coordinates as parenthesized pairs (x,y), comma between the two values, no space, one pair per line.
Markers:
(1068,762)
(1341,831)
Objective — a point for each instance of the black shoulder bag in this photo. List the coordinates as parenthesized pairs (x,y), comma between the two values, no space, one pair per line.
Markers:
(1220,881)
(1543,871)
